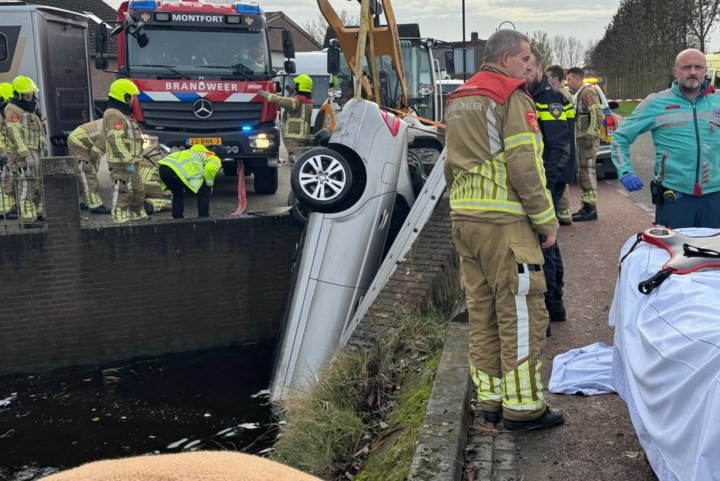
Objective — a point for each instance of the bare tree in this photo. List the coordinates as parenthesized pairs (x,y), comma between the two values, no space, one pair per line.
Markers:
(541,42)
(702,21)
(317,27)
(558,45)
(575,51)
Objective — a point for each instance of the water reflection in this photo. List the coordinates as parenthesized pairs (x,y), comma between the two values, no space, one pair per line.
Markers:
(204,400)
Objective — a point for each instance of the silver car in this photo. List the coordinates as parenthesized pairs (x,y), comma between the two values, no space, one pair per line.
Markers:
(351,187)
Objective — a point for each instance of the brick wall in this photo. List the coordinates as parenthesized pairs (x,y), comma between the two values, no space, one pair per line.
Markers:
(428,277)
(70,295)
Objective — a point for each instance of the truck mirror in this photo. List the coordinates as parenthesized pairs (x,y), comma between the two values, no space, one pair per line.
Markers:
(289,67)
(288,45)
(101,63)
(101,38)
(333,60)
(142,39)
(449,62)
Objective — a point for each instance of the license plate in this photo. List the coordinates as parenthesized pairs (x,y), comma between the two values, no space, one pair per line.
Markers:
(205,141)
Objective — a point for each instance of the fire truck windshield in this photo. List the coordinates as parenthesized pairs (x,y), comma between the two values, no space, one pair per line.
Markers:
(223,52)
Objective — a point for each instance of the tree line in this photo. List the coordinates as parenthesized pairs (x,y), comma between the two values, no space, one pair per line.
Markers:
(638,50)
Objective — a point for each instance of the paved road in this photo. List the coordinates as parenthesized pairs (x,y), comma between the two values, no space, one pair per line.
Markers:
(598,442)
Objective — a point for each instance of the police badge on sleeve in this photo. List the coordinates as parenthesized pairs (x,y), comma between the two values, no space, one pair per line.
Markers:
(556,110)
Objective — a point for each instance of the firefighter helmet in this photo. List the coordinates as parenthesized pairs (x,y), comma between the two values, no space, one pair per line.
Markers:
(6,92)
(303,83)
(24,85)
(123,90)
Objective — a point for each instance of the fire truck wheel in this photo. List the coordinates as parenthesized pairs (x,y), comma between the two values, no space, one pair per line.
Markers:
(266,180)
(321,179)
(229,169)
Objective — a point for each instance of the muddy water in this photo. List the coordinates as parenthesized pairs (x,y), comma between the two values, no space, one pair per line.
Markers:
(204,400)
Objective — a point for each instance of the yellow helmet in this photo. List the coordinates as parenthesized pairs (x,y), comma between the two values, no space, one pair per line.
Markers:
(303,83)
(6,91)
(123,90)
(24,85)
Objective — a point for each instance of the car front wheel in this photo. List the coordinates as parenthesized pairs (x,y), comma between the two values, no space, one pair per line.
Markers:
(321,179)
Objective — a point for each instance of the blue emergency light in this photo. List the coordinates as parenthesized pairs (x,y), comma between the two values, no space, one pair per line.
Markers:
(246,128)
(251,8)
(142,4)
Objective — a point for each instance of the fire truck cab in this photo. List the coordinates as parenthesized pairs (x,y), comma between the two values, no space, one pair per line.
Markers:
(199,67)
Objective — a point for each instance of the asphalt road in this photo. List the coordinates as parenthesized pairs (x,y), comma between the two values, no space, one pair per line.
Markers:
(598,441)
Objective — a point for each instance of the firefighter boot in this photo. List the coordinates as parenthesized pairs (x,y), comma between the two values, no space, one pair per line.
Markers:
(549,419)
(565,216)
(588,212)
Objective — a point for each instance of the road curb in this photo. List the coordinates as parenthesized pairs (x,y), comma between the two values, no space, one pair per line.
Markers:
(439,455)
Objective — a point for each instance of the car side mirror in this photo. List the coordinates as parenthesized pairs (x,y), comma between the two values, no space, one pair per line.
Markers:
(333,60)
(613,105)
(288,44)
(449,62)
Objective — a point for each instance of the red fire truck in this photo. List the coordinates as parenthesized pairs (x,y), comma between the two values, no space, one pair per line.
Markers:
(199,66)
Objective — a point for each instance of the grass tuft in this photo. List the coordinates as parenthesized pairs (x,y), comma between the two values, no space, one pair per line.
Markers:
(365,396)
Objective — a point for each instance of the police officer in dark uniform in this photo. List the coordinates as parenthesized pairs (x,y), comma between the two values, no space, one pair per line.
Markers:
(550,105)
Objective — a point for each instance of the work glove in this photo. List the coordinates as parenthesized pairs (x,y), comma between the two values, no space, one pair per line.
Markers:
(632,182)
(263,93)
(130,168)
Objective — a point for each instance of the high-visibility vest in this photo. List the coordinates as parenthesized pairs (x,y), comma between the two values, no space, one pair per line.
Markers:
(193,168)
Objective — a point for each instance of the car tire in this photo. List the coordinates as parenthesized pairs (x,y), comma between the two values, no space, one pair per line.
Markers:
(266,180)
(321,179)
(229,169)
(609,169)
(299,212)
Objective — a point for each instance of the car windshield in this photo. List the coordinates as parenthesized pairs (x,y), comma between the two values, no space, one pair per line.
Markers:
(181,51)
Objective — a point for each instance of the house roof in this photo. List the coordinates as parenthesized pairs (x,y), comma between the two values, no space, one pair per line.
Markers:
(97,7)
(303,44)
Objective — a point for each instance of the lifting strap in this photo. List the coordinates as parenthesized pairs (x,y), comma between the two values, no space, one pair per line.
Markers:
(687,254)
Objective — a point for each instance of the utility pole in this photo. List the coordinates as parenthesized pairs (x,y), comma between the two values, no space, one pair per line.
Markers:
(464,49)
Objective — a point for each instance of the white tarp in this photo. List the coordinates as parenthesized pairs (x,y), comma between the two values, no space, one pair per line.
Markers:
(666,363)
(585,370)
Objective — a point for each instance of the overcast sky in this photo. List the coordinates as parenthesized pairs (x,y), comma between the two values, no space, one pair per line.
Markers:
(442,19)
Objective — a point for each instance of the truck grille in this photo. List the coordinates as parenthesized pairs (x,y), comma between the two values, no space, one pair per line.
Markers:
(179,116)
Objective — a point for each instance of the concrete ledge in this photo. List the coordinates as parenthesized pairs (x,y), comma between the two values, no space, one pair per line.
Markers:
(439,455)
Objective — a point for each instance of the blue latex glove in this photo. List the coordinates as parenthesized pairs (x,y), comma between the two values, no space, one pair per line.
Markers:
(131,168)
(632,182)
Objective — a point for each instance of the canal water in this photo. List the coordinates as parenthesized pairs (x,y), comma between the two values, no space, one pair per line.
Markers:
(214,399)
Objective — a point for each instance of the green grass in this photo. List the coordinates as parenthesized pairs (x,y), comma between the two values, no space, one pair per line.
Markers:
(626,108)
(378,395)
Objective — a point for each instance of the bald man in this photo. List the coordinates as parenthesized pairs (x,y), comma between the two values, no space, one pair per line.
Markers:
(684,121)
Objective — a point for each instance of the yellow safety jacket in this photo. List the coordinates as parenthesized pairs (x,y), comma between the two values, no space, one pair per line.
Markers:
(123,138)
(494,153)
(4,147)
(297,116)
(89,137)
(193,168)
(24,131)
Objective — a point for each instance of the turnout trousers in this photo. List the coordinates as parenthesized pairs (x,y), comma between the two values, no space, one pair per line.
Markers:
(87,176)
(586,172)
(501,269)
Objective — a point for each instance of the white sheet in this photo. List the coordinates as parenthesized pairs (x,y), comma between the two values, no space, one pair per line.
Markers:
(585,370)
(666,363)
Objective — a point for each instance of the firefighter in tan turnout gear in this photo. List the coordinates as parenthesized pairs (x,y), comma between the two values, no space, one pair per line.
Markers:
(87,146)
(297,116)
(124,147)
(7,195)
(588,118)
(25,133)
(500,207)
(158,198)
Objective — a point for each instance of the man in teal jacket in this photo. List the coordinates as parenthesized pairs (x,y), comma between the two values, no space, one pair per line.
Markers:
(685,124)
(195,170)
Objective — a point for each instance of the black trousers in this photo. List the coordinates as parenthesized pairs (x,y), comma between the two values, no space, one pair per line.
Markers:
(554,274)
(177,187)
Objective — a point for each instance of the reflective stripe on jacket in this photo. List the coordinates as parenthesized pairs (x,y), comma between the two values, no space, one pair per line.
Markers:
(550,105)
(494,150)
(686,135)
(4,146)
(588,112)
(90,138)
(193,168)
(24,131)
(123,137)
(297,116)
